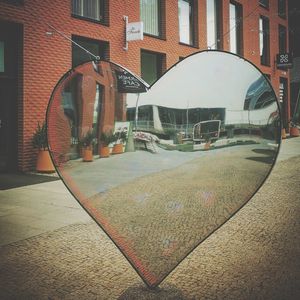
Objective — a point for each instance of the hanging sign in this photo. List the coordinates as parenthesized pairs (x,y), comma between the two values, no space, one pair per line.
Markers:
(127,83)
(134,31)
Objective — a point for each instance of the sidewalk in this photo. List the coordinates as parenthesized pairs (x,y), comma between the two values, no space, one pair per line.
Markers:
(51,249)
(35,209)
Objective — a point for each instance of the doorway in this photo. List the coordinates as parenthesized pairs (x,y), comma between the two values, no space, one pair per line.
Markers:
(10,57)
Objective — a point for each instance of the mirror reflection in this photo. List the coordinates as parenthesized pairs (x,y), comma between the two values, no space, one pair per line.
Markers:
(161,168)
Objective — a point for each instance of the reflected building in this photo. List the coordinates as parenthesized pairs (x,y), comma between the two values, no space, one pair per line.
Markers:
(168,111)
(163,120)
(89,101)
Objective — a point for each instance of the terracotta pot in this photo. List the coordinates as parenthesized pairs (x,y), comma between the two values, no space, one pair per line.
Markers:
(87,154)
(44,163)
(207,146)
(283,133)
(104,151)
(117,149)
(294,131)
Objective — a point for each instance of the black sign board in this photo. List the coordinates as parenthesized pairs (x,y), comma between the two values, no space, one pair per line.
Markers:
(284,60)
(127,83)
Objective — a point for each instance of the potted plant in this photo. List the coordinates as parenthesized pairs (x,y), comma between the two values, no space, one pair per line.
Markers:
(283,133)
(105,139)
(207,140)
(39,141)
(294,130)
(86,142)
(120,138)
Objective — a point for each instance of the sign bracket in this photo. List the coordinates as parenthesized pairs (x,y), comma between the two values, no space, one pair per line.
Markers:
(125,18)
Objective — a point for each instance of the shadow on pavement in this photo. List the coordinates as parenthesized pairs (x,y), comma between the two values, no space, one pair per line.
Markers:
(142,292)
(265,152)
(15,180)
(266,160)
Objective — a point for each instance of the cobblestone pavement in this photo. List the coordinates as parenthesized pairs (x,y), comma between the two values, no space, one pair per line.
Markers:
(159,218)
(255,255)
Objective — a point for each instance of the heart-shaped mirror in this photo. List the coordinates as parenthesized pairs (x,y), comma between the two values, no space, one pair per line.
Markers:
(161,168)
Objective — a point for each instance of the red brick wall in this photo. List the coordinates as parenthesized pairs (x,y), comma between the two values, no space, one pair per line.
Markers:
(47,58)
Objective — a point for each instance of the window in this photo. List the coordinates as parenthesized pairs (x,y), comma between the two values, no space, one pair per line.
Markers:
(2,57)
(98,48)
(282,39)
(236,28)
(282,8)
(186,17)
(89,9)
(264,3)
(264,40)
(150,11)
(152,65)
(214,24)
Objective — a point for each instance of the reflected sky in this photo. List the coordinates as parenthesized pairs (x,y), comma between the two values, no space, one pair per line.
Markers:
(199,83)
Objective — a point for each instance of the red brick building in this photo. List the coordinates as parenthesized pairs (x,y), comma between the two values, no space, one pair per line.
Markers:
(34,55)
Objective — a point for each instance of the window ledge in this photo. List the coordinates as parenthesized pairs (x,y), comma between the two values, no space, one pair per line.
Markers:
(264,6)
(89,20)
(282,16)
(155,36)
(189,45)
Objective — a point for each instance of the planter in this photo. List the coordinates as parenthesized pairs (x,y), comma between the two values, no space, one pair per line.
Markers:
(294,131)
(207,146)
(87,154)
(44,163)
(117,149)
(283,133)
(104,151)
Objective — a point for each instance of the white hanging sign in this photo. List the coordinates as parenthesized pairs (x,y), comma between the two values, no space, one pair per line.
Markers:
(134,31)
